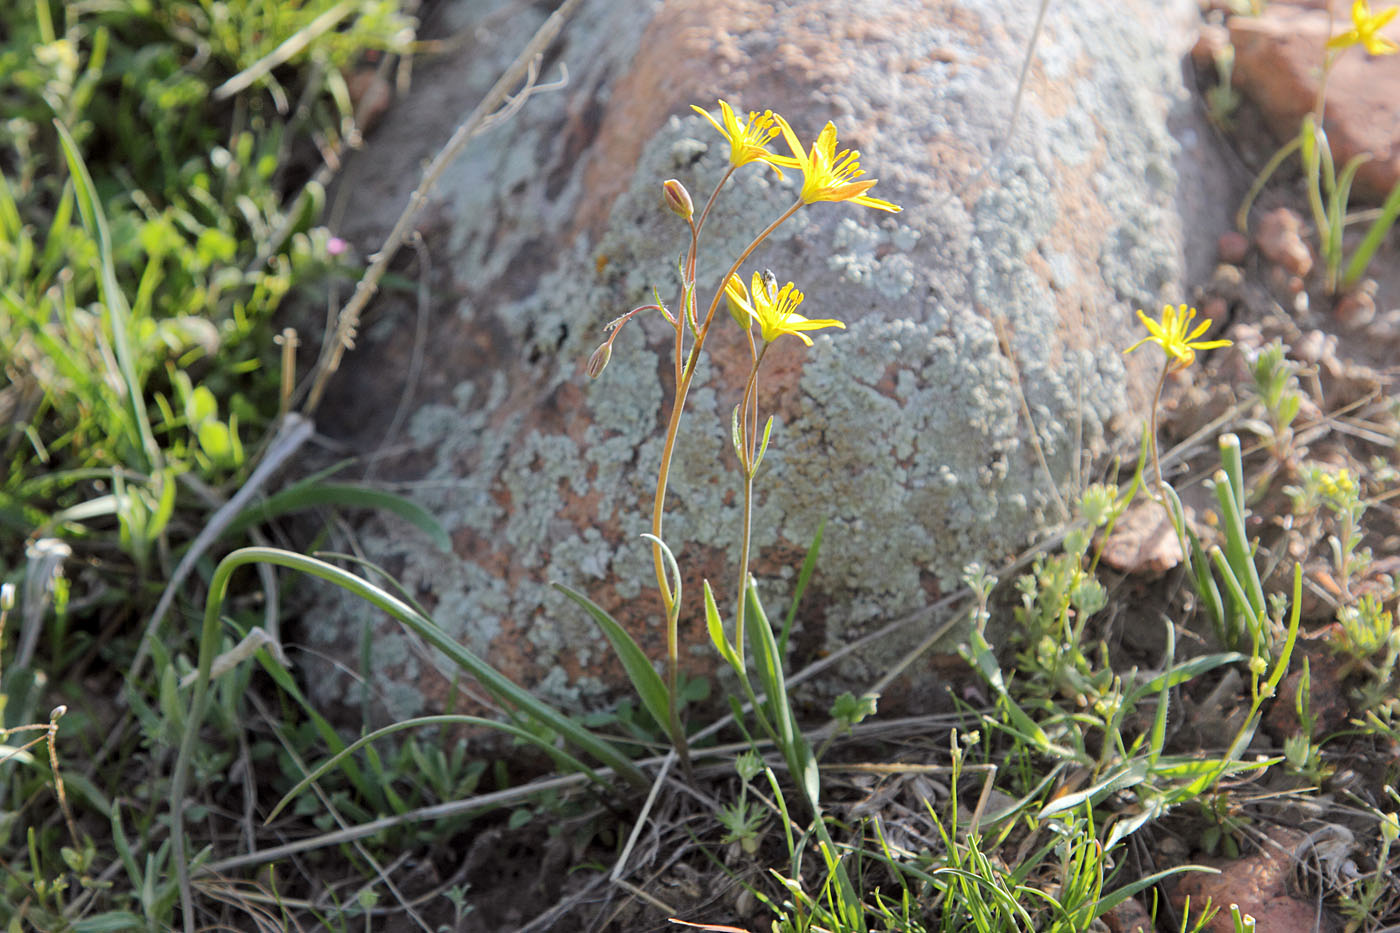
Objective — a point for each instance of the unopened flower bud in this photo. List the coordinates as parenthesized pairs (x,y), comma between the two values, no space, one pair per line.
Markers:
(736,298)
(678,199)
(599,360)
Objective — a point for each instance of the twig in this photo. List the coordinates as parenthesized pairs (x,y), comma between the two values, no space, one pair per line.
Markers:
(1004,340)
(483,117)
(289,49)
(415,360)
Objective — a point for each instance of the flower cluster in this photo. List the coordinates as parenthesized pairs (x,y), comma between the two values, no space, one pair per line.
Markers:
(827,175)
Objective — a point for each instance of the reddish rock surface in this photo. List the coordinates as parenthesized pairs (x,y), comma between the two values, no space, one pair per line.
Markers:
(1278,55)
(1260,885)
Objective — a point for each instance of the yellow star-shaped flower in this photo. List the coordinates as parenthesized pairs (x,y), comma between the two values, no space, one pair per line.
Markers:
(1174,335)
(775,311)
(1366,30)
(828,175)
(749,142)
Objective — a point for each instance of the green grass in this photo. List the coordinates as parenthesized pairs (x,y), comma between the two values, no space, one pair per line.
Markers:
(160,773)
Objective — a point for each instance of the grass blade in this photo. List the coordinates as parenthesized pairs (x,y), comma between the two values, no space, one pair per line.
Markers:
(118,314)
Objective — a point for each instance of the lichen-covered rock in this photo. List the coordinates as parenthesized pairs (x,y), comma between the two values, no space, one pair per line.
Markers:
(1012,274)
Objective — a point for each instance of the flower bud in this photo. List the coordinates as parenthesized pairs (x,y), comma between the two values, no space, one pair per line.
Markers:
(736,299)
(599,360)
(678,199)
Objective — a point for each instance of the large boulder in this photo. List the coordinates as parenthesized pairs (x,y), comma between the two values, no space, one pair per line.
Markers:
(980,373)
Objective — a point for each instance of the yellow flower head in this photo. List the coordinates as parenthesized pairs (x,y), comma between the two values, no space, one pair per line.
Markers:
(775,311)
(749,142)
(828,175)
(1337,485)
(1366,30)
(1175,336)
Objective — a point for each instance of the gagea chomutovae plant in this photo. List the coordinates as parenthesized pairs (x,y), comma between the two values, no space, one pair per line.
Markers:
(766,311)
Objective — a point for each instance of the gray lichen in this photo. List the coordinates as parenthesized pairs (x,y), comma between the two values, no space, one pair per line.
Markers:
(906,430)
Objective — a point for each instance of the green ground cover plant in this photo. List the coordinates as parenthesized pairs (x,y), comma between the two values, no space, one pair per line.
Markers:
(161,766)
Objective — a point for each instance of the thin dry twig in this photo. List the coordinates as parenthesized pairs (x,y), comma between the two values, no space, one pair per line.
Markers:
(498,98)
(292,46)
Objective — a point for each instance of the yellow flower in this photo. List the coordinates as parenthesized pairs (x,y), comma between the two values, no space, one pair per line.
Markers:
(775,311)
(828,175)
(1174,335)
(748,143)
(1366,30)
(1337,486)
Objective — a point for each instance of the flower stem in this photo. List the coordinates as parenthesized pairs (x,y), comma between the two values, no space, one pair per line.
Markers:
(684,376)
(668,449)
(1161,494)
(747,454)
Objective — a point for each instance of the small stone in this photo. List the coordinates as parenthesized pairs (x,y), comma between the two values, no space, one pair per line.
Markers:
(1129,917)
(1232,247)
(1143,541)
(1280,240)
(1357,308)
(1313,347)
(371,96)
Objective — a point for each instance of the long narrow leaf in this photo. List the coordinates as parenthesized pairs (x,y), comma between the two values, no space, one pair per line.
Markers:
(497,684)
(344,495)
(651,689)
(118,314)
(795,747)
(804,576)
(1375,235)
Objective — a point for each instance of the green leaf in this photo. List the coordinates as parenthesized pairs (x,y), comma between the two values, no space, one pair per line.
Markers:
(114,920)
(850,709)
(651,690)
(809,566)
(716,629)
(118,313)
(344,495)
(769,663)
(201,405)
(214,440)
(1375,236)
(763,447)
(1127,775)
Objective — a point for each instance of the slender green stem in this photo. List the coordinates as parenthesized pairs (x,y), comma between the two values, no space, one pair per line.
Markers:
(747,455)
(1160,491)
(1242,215)
(743,567)
(684,376)
(668,449)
